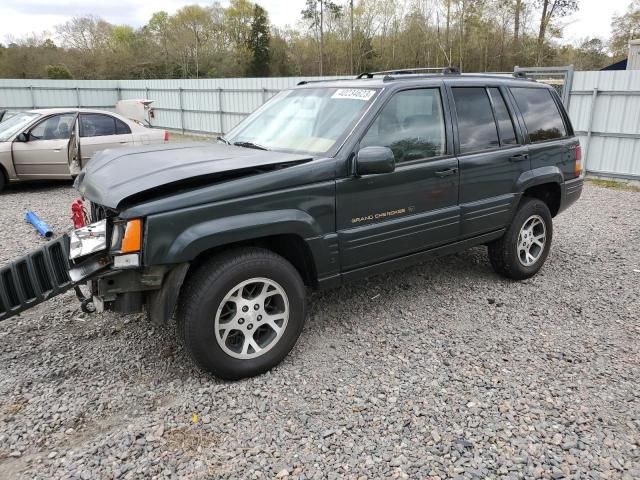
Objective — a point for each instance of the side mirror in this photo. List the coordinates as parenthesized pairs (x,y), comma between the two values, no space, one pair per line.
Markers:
(22,137)
(375,160)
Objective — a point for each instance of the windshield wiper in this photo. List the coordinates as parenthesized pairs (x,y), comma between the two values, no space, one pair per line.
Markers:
(223,140)
(250,145)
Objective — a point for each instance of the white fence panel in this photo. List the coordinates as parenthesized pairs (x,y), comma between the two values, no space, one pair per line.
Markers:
(605,112)
(208,105)
(604,107)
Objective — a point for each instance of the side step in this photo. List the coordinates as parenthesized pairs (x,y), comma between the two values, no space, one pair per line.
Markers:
(35,278)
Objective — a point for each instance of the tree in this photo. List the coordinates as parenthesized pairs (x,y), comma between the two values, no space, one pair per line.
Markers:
(551,9)
(624,28)
(259,43)
(58,72)
(86,33)
(193,23)
(314,14)
(159,30)
(237,40)
(590,55)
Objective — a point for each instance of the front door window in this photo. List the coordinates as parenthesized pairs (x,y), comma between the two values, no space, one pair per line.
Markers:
(411,124)
(57,127)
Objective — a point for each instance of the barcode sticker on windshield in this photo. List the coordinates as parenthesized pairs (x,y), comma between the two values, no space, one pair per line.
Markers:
(354,94)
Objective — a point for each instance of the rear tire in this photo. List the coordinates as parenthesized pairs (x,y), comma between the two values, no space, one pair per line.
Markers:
(241,312)
(521,252)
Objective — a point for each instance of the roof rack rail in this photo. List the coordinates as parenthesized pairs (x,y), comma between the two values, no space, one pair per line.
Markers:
(304,82)
(409,71)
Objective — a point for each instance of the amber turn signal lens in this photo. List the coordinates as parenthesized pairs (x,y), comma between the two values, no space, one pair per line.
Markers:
(132,241)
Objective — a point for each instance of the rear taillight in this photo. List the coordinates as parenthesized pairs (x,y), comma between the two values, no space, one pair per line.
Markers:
(166,136)
(578,160)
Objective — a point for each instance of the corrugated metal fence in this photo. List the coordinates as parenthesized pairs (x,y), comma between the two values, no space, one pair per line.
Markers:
(198,106)
(605,111)
(604,107)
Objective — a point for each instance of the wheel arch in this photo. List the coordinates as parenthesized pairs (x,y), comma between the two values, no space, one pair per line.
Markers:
(544,184)
(549,193)
(293,248)
(290,246)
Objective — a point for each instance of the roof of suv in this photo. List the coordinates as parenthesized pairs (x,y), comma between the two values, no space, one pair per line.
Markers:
(422,79)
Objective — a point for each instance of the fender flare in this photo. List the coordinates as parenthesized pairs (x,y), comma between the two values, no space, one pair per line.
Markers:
(212,233)
(539,176)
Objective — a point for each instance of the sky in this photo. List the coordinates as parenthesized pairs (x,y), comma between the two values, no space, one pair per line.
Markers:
(19,18)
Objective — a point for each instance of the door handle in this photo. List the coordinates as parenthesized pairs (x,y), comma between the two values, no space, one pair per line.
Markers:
(519,157)
(446,173)
(122,143)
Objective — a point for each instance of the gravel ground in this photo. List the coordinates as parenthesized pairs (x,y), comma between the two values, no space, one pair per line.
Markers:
(442,370)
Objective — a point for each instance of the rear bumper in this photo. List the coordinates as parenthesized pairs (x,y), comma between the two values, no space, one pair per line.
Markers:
(570,192)
(35,278)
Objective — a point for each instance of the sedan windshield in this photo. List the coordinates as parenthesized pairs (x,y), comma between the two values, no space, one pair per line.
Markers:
(308,120)
(15,124)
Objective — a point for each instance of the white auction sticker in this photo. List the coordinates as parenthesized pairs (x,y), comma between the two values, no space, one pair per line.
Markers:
(354,94)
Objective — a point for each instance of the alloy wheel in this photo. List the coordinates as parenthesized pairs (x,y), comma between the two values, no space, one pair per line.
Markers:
(531,240)
(251,318)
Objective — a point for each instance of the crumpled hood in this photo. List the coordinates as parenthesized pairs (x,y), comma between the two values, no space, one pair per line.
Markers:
(116,174)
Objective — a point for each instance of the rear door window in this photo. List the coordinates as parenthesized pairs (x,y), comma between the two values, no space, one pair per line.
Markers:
(540,112)
(476,125)
(505,123)
(96,125)
(122,128)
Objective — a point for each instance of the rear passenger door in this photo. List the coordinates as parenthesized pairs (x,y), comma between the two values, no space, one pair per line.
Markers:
(550,143)
(101,131)
(491,154)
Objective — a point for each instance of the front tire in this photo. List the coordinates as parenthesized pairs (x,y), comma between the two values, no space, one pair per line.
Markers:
(523,249)
(3,181)
(241,312)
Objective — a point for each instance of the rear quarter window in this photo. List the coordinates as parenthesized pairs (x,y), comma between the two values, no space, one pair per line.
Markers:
(540,112)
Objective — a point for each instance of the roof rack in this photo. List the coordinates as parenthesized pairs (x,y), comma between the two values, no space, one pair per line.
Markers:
(520,74)
(304,82)
(409,71)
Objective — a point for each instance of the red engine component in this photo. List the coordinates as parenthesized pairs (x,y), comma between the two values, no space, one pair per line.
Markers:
(78,214)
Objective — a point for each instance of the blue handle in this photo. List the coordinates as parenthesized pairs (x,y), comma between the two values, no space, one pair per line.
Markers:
(42,228)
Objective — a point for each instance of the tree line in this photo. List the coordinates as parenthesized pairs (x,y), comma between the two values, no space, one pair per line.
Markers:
(338,37)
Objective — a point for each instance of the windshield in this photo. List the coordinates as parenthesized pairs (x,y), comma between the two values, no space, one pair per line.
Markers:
(15,124)
(308,120)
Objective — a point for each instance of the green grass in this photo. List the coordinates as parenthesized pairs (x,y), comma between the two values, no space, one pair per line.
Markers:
(614,184)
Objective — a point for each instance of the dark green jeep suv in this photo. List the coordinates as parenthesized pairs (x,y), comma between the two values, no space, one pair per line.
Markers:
(327,182)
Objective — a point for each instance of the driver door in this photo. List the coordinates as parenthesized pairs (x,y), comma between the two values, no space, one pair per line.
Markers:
(45,154)
(415,207)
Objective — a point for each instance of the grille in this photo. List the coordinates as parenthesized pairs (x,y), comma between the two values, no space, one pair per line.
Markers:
(98,212)
(32,279)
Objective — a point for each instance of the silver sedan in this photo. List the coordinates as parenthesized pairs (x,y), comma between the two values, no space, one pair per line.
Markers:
(57,143)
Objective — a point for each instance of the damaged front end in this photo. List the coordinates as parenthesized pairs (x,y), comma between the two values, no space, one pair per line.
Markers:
(106,256)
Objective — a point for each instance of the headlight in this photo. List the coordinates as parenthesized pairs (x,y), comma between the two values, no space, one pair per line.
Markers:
(126,236)
(89,239)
